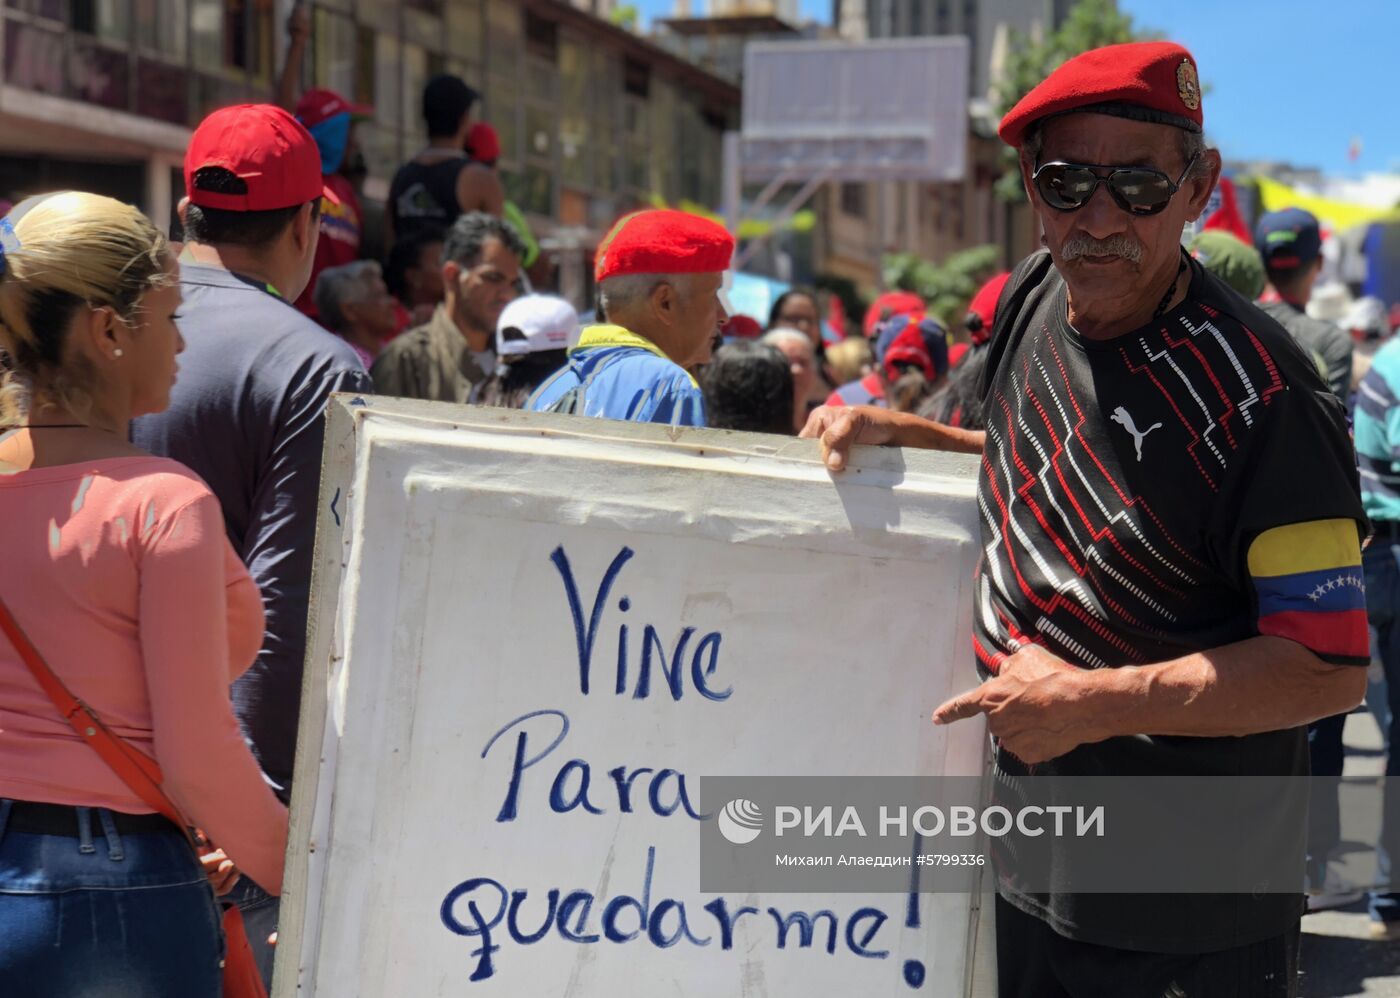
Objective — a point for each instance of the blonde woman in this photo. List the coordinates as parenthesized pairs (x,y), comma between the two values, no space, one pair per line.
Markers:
(117,567)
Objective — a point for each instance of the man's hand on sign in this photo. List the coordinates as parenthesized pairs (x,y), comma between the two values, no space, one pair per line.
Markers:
(1030,705)
(840,426)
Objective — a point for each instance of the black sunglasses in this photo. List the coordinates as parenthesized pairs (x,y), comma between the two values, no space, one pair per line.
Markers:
(1138,190)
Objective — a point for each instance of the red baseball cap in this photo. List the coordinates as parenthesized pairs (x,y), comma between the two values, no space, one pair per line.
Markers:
(318,104)
(982,310)
(1146,81)
(663,241)
(483,143)
(263,146)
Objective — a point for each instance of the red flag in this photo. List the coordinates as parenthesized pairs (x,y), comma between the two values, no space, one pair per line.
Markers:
(1227,216)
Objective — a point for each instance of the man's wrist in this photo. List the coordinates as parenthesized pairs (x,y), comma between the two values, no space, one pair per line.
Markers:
(1107,702)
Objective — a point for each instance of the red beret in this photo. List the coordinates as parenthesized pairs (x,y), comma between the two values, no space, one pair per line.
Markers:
(659,241)
(1147,81)
(741,327)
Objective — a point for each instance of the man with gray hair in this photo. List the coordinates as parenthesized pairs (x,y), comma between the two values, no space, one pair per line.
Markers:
(659,276)
(353,302)
(808,390)
(447,358)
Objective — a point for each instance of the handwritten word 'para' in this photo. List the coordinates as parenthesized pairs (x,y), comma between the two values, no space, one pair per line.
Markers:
(704,660)
(665,794)
(624,918)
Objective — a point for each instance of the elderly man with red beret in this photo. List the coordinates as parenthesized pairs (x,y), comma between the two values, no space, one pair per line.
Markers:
(1171,525)
(659,275)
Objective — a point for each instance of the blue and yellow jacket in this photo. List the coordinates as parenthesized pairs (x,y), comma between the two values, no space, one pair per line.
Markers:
(615,374)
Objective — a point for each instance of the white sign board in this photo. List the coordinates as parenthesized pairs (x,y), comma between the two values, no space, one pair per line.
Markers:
(887,109)
(532,635)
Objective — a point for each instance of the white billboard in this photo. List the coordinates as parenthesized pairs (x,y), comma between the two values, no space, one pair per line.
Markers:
(893,109)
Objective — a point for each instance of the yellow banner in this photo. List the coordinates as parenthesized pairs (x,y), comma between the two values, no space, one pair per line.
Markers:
(1336,215)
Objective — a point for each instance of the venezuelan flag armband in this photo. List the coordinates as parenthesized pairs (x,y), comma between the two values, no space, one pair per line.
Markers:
(1309,588)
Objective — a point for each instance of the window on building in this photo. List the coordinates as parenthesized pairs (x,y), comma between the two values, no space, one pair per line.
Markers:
(503,109)
(106,19)
(247,36)
(416,73)
(207,34)
(462,20)
(541,37)
(160,27)
(336,49)
(52,10)
(364,64)
(853,200)
(636,78)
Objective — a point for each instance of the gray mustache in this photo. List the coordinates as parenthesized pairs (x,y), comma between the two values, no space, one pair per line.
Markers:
(1128,249)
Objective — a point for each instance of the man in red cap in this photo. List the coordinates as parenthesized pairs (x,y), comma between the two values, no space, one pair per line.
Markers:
(330,119)
(660,275)
(1171,580)
(982,310)
(247,414)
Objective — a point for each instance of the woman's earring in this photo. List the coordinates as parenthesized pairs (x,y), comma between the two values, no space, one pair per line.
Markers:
(117,352)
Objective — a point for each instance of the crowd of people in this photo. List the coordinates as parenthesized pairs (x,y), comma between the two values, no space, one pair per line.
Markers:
(1167,473)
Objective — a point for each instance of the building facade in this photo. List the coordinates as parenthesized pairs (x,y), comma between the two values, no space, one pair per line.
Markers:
(594,120)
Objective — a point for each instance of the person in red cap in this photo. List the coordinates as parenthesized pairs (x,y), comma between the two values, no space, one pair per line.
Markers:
(247,413)
(484,148)
(981,311)
(889,305)
(660,275)
(959,402)
(441,181)
(330,119)
(905,344)
(1171,521)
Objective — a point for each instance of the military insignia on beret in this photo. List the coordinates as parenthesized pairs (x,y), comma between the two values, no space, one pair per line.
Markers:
(1188,85)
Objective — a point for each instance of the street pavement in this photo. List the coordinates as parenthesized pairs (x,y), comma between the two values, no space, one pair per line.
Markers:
(1339,958)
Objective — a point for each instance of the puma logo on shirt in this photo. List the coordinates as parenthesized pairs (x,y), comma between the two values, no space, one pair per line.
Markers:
(1124,418)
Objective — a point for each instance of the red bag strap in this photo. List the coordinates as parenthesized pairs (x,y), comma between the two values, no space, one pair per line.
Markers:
(137,770)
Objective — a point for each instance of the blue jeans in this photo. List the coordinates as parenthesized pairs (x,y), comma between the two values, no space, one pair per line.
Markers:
(1381,562)
(1326,755)
(260,910)
(103,915)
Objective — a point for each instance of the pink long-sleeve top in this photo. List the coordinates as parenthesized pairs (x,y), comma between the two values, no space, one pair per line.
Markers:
(120,573)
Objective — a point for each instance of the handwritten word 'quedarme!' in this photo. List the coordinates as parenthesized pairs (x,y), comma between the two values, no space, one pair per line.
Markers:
(489,908)
(704,660)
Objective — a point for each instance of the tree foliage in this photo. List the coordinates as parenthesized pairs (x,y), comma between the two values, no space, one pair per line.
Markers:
(946,287)
(626,16)
(1089,25)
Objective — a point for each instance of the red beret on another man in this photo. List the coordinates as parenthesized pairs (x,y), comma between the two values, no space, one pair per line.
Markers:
(1144,81)
(887,306)
(662,241)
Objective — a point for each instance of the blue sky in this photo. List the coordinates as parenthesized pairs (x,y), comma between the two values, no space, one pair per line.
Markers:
(1291,80)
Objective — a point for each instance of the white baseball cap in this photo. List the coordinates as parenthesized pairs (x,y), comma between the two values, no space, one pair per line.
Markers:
(535,323)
